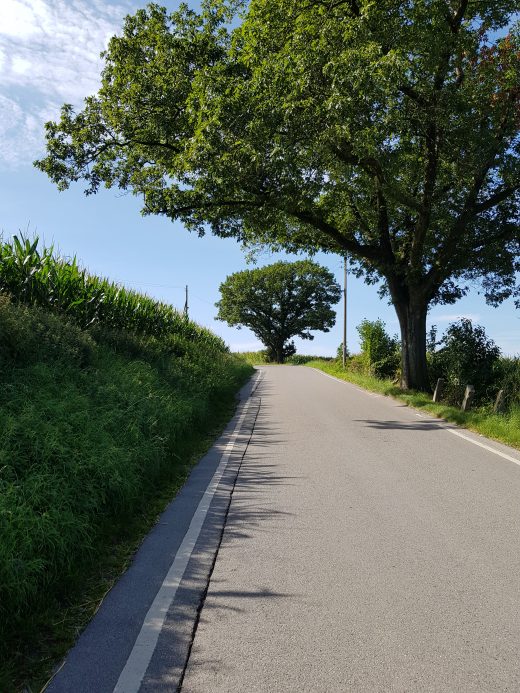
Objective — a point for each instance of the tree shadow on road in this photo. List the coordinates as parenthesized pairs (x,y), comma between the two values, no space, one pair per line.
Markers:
(427,425)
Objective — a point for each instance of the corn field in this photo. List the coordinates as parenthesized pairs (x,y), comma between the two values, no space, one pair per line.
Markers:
(41,278)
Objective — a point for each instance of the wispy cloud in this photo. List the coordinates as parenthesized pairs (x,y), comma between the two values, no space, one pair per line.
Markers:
(49,55)
(452,317)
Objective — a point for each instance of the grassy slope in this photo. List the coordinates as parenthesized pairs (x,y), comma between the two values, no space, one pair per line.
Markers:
(97,431)
(502,427)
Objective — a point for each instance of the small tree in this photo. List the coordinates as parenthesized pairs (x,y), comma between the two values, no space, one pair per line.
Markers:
(279,302)
(380,351)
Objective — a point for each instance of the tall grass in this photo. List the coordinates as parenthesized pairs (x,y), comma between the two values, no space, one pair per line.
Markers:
(93,423)
(40,277)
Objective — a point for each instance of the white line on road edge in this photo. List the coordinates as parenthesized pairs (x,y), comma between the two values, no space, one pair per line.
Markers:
(137,663)
(481,445)
(439,423)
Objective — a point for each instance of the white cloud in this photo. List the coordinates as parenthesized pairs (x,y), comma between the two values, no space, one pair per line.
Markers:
(14,121)
(18,18)
(49,55)
(452,317)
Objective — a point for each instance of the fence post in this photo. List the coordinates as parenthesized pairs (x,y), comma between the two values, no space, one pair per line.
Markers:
(500,402)
(439,388)
(468,398)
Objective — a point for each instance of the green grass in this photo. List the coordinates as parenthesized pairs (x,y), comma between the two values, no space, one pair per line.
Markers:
(504,428)
(55,628)
(95,428)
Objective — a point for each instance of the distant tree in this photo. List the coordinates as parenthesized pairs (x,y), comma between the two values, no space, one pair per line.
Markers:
(382,128)
(280,301)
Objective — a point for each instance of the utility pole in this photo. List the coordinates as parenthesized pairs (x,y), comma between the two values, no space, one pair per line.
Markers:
(344,311)
(186,304)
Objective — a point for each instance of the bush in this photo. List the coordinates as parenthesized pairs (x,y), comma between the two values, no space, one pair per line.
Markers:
(302,359)
(467,356)
(339,353)
(379,352)
(507,374)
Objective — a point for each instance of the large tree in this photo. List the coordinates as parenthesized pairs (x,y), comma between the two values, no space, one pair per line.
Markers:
(388,130)
(281,301)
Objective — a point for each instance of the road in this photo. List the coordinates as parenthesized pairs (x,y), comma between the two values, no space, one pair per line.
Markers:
(347,545)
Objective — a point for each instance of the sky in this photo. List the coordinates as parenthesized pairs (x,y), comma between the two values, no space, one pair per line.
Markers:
(49,55)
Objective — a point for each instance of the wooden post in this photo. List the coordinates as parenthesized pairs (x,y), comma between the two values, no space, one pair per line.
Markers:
(500,402)
(439,390)
(468,398)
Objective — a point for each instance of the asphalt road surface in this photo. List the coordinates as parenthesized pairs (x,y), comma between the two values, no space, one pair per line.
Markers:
(333,540)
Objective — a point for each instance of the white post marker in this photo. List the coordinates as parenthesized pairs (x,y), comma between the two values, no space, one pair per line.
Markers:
(137,663)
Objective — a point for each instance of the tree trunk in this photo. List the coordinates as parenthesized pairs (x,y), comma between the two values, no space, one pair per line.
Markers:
(414,367)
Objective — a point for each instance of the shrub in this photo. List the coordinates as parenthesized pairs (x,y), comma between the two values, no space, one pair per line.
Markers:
(467,356)
(507,378)
(379,351)
(339,353)
(302,359)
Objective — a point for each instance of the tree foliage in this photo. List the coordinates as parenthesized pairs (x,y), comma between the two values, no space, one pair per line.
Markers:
(280,301)
(388,130)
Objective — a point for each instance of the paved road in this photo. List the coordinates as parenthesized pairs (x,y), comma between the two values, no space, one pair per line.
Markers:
(350,546)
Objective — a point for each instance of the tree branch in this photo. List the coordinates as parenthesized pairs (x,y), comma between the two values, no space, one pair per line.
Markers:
(409,91)
(372,166)
(430,176)
(495,199)
(455,20)
(368,252)
(363,224)
(177,211)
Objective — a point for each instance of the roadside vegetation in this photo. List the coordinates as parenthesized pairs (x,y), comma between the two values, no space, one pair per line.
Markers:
(96,421)
(464,355)
(259,358)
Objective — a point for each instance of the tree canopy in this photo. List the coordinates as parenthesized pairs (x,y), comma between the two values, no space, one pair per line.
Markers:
(388,130)
(279,302)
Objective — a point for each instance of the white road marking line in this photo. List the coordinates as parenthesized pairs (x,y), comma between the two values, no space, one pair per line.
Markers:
(481,445)
(440,424)
(137,663)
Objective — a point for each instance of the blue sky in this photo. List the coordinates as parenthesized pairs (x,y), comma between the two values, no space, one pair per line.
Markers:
(49,55)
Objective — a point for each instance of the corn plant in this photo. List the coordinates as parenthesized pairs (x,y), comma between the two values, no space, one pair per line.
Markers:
(35,276)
